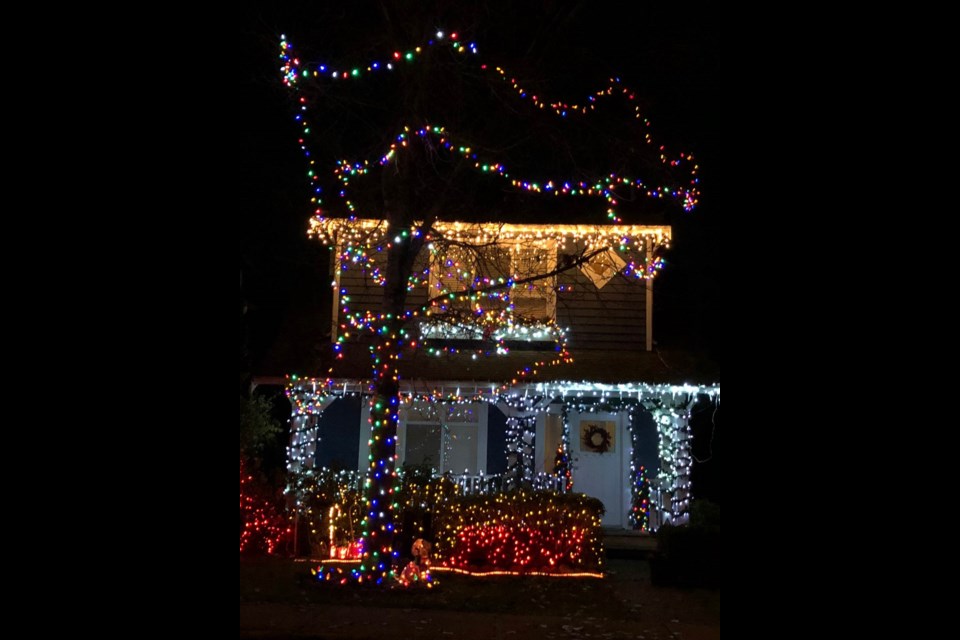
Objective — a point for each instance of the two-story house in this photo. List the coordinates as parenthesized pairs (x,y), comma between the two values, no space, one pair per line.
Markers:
(502,402)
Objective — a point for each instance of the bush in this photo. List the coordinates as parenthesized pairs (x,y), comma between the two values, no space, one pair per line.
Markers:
(263,526)
(521,531)
(705,515)
(316,490)
(689,556)
(421,497)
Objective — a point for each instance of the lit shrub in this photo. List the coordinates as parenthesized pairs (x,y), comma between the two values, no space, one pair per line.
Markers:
(523,532)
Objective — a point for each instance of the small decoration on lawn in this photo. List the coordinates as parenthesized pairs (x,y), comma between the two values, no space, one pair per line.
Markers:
(410,574)
(349,551)
(421,553)
(418,570)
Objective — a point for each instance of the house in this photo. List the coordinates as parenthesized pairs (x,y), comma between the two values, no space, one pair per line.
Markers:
(565,392)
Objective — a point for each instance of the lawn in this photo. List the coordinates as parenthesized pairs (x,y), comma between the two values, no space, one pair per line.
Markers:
(624,594)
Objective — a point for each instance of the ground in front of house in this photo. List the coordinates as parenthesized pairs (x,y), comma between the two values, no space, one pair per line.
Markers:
(279,599)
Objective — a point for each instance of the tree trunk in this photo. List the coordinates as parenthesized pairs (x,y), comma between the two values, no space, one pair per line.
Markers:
(381,488)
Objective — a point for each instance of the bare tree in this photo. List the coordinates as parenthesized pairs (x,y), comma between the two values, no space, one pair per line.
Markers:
(410,155)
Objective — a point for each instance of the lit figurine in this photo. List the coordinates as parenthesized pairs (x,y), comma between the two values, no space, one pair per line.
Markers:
(421,553)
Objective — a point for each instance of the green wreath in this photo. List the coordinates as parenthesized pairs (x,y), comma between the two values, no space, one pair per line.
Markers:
(597,439)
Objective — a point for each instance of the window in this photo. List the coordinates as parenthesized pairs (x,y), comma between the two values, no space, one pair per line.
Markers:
(459,267)
(536,299)
(444,437)
(422,444)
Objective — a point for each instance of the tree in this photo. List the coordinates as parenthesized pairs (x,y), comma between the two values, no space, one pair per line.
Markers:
(405,143)
(257,426)
(262,524)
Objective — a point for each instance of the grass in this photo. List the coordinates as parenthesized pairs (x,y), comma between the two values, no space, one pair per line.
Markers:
(626,593)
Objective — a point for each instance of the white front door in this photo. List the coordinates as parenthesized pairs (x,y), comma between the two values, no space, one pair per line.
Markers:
(597,445)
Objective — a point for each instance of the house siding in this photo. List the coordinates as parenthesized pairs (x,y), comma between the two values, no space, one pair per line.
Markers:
(366,295)
(610,318)
(613,317)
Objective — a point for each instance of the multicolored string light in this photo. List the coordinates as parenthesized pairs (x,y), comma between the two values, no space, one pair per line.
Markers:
(604,187)
(471,310)
(640,494)
(668,404)
(379,558)
(293,71)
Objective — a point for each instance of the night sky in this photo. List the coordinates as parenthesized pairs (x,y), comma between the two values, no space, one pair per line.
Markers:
(667,54)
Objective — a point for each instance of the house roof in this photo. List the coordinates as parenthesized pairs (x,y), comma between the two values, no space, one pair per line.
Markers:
(660,367)
(311,395)
(330,230)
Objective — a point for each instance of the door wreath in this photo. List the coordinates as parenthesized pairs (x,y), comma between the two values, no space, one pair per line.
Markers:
(596,438)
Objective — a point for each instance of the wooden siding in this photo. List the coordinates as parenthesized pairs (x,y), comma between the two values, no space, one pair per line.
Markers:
(609,318)
(366,295)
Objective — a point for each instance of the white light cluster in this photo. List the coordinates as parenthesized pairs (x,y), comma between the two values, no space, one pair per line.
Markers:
(673,429)
(669,404)
(441,330)
(304,440)
(308,393)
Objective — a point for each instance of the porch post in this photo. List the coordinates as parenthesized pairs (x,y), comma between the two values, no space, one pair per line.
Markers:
(335,313)
(648,334)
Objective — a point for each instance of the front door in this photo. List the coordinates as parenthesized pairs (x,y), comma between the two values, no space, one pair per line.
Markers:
(597,448)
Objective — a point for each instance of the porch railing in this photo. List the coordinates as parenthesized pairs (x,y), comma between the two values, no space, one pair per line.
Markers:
(473,484)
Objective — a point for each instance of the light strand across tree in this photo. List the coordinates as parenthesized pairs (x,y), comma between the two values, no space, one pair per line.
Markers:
(409,158)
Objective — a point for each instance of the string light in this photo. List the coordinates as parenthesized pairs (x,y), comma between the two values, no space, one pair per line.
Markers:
(603,187)
(522,532)
(457,311)
(354,233)
(578,574)
(263,528)
(640,495)
(480,303)
(292,74)
(668,404)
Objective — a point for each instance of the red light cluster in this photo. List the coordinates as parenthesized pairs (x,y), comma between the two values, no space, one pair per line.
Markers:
(517,548)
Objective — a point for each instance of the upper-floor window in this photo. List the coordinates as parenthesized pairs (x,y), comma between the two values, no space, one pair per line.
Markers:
(460,268)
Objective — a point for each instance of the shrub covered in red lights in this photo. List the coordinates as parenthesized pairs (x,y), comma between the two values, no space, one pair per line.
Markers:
(263,528)
(521,532)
